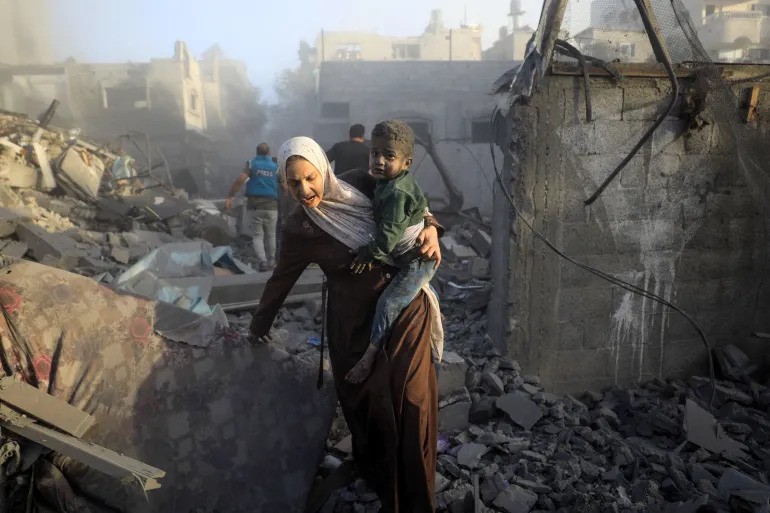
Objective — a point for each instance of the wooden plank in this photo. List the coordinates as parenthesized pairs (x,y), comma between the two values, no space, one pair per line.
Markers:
(44,407)
(752,101)
(95,456)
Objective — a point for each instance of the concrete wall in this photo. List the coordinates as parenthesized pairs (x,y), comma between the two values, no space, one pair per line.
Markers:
(450,96)
(680,221)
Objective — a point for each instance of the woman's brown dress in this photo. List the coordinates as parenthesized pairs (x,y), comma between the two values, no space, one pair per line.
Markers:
(393,415)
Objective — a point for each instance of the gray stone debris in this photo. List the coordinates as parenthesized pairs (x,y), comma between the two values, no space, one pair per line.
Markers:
(519,409)
(656,448)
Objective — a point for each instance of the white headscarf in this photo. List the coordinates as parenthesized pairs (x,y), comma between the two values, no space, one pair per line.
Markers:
(346,214)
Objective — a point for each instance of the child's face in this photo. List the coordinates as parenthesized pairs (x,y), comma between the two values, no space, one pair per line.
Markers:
(387,159)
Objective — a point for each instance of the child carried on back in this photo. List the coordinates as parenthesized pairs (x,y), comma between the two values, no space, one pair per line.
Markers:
(399,211)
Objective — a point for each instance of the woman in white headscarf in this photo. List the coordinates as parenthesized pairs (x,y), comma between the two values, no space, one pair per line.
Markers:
(393,415)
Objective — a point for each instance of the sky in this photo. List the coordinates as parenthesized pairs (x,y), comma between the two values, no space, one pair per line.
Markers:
(263,34)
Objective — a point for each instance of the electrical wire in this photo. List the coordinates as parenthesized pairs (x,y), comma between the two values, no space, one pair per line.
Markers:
(663,55)
(601,274)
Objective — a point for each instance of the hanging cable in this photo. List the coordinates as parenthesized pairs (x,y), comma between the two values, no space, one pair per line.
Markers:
(663,56)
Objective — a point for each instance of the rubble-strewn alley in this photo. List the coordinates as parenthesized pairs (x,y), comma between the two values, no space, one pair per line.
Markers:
(601,209)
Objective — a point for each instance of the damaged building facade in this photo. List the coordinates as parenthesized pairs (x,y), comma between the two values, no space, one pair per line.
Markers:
(684,219)
(439,85)
(195,118)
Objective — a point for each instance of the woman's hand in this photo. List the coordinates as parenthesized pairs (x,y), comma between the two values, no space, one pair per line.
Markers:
(429,246)
(259,336)
(359,266)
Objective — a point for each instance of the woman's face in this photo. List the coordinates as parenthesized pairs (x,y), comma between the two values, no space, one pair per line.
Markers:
(304,183)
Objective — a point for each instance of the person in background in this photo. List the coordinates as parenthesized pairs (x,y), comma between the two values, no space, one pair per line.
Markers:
(350,154)
(123,173)
(260,177)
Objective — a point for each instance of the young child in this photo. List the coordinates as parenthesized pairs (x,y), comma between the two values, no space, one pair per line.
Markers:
(399,210)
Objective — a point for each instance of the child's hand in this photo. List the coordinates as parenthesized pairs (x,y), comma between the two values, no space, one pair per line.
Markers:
(359,266)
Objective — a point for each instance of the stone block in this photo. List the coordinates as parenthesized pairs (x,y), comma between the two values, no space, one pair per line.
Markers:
(17,174)
(645,104)
(454,417)
(79,176)
(55,246)
(214,229)
(454,251)
(734,202)
(13,248)
(451,373)
(481,241)
(576,305)
(10,219)
(246,288)
(606,101)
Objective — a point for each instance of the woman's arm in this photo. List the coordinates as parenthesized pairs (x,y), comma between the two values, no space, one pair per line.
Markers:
(292,261)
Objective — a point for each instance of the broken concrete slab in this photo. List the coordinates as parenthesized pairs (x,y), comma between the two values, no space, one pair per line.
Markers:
(494,383)
(214,229)
(454,417)
(56,246)
(520,409)
(704,431)
(736,484)
(44,407)
(451,373)
(12,248)
(80,173)
(481,241)
(247,288)
(17,174)
(10,219)
(99,458)
(159,204)
(470,455)
(48,181)
(734,363)
(515,499)
(454,251)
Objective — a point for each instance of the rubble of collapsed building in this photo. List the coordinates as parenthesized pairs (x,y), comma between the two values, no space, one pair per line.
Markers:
(110,286)
(508,445)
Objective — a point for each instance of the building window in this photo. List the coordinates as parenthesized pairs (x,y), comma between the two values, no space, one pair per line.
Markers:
(125,97)
(481,132)
(348,52)
(335,110)
(764,9)
(710,9)
(194,102)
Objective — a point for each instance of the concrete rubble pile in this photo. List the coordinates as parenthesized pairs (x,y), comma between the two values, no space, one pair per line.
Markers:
(106,259)
(507,445)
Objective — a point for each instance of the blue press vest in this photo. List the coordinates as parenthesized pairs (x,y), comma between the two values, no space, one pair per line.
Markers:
(262,181)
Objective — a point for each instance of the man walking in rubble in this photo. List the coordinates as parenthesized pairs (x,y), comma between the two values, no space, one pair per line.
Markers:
(260,177)
(350,154)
